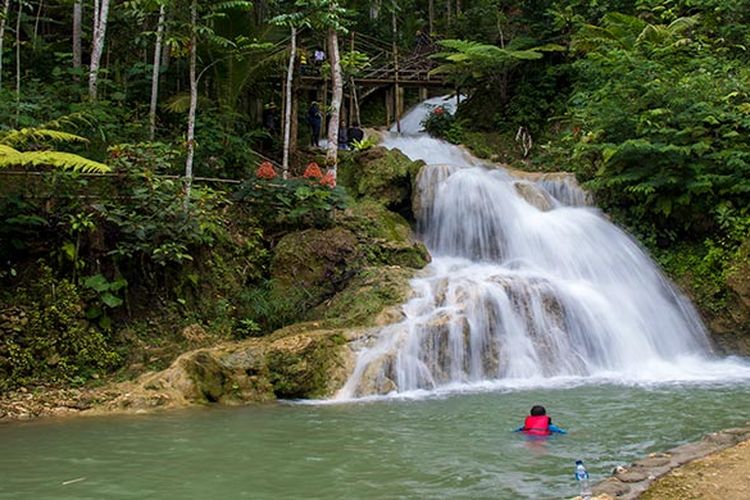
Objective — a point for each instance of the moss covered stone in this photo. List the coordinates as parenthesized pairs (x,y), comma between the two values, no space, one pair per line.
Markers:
(384,237)
(313,263)
(303,365)
(384,175)
(367,299)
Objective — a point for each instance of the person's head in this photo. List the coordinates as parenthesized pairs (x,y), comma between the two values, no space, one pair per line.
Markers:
(314,105)
(355,124)
(538,411)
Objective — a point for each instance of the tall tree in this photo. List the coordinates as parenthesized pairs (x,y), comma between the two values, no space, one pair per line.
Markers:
(101,15)
(293,20)
(156,71)
(193,98)
(201,23)
(77,30)
(288,103)
(3,18)
(18,59)
(338,93)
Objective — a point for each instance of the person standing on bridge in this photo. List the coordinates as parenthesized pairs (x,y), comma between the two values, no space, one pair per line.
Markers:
(315,120)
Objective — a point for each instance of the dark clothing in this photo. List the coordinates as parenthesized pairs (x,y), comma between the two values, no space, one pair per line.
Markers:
(315,121)
(355,134)
(270,120)
(343,141)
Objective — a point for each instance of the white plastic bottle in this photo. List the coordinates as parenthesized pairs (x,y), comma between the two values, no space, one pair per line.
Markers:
(582,476)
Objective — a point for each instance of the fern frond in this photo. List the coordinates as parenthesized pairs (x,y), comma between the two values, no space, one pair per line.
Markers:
(180,103)
(63,161)
(69,121)
(7,150)
(25,135)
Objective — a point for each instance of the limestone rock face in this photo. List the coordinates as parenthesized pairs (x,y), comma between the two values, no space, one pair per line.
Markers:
(739,279)
(305,360)
(533,195)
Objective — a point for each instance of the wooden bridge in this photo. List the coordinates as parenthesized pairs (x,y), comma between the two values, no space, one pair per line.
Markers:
(389,69)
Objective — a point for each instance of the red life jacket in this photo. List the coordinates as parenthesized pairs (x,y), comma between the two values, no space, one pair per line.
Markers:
(537,425)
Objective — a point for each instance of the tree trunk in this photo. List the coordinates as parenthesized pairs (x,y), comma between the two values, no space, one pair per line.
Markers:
(100,29)
(18,60)
(431,16)
(448,15)
(77,29)
(288,105)
(458,8)
(374,9)
(193,99)
(338,91)
(36,22)
(155,74)
(6,11)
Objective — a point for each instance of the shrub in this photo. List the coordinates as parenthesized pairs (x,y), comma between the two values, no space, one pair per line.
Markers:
(45,336)
(444,125)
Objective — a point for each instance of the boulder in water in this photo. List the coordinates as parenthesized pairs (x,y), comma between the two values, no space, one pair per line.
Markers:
(533,195)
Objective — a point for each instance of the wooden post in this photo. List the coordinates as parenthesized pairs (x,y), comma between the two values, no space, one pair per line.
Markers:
(422,93)
(351,84)
(399,105)
(395,64)
(388,106)
(356,104)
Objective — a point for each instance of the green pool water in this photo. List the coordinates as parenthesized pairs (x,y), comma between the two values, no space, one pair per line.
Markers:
(452,446)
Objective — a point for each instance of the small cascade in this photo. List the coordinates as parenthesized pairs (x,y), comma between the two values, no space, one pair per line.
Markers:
(527,282)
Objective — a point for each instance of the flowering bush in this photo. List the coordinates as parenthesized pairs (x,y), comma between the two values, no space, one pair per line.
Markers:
(440,123)
(328,180)
(265,171)
(312,171)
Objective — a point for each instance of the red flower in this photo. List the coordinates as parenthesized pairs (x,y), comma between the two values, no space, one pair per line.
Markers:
(265,171)
(312,171)
(328,180)
(439,110)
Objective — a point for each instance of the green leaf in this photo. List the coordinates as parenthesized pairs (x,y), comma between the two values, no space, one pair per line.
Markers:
(97,283)
(111,300)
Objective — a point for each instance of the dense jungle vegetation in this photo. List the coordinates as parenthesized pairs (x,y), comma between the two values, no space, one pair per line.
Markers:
(143,157)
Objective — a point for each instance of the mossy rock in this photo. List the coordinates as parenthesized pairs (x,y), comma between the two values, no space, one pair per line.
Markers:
(731,327)
(385,237)
(384,175)
(367,299)
(303,365)
(314,261)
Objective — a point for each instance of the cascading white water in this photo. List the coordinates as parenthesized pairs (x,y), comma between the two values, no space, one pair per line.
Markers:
(527,283)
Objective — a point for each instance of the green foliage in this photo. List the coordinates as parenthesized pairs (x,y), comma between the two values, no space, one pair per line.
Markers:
(45,337)
(440,123)
(107,297)
(10,157)
(263,310)
(468,64)
(155,225)
(365,144)
(662,117)
(292,203)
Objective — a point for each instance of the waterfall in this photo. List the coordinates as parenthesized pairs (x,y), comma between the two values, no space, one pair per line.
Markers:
(528,282)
